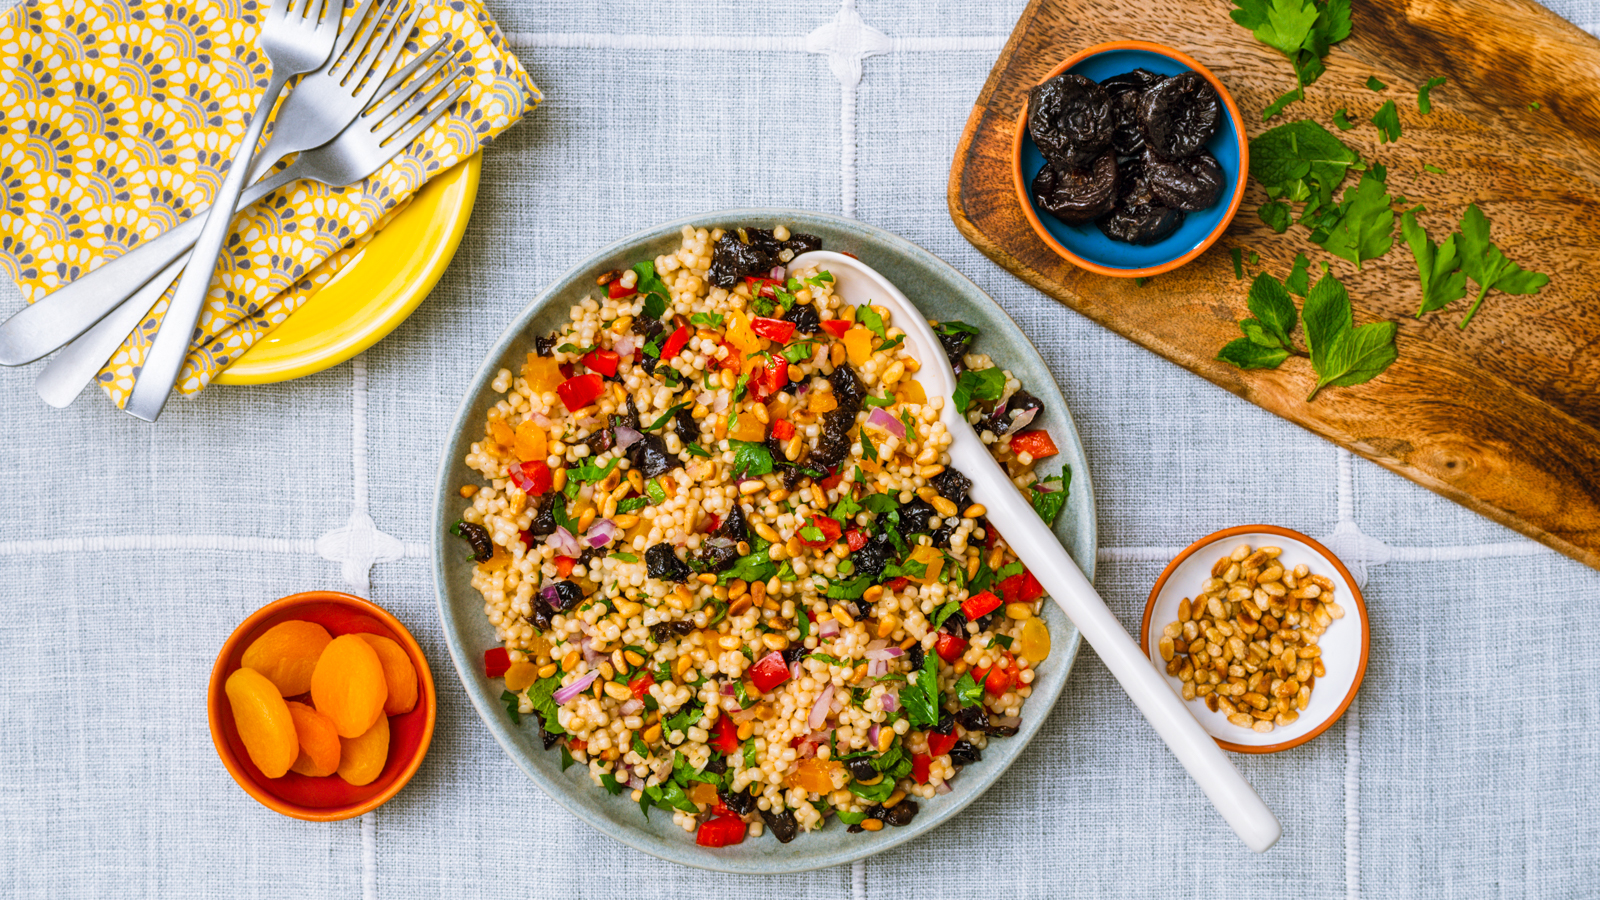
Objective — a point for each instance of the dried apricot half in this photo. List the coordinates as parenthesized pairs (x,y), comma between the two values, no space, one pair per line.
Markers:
(287,653)
(319,743)
(348,686)
(361,758)
(263,721)
(398,674)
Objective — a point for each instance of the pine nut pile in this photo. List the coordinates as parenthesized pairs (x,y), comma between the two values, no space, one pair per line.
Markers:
(1249,643)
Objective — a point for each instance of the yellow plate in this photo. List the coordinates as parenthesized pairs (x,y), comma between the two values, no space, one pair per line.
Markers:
(373,295)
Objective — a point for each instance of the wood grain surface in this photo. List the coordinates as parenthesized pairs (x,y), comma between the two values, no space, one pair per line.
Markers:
(1503,417)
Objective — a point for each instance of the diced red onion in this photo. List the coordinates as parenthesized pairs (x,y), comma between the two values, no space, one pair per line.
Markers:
(720,404)
(632,706)
(828,628)
(794,669)
(819,710)
(564,543)
(636,783)
(728,690)
(590,655)
(777,273)
(878,644)
(801,388)
(1023,419)
(540,419)
(807,750)
(565,695)
(550,595)
(890,701)
(876,667)
(705,398)
(624,345)
(663,770)
(872,735)
(741,716)
(602,533)
(885,653)
(881,419)
(626,437)
(943,788)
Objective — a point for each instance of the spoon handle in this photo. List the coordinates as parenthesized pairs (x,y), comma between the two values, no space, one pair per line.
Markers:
(1036,545)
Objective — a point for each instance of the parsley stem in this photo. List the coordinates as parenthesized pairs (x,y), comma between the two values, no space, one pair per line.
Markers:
(1484,292)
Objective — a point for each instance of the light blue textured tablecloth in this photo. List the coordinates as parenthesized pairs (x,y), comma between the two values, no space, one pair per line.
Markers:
(1469,766)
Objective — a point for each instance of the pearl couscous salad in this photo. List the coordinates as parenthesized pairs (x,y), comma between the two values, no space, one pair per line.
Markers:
(732,571)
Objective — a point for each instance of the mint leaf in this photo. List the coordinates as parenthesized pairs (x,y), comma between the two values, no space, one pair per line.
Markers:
(1424,104)
(1373,84)
(1487,266)
(1049,496)
(1438,266)
(1247,354)
(1301,161)
(1277,215)
(1387,120)
(1271,305)
(870,320)
(1283,101)
(1430,167)
(968,692)
(657,297)
(1341,120)
(978,384)
(1287,24)
(750,460)
(1365,229)
(1298,282)
(1340,354)
(706,320)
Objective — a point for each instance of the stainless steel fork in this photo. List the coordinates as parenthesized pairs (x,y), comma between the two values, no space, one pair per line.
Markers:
(405,107)
(319,107)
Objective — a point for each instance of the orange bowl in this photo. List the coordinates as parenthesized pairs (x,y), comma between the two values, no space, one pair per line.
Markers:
(1232,132)
(330,798)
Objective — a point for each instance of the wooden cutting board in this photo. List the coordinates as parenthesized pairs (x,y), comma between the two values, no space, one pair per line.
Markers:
(1504,417)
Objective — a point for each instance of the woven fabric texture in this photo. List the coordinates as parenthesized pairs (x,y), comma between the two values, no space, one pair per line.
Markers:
(1469,765)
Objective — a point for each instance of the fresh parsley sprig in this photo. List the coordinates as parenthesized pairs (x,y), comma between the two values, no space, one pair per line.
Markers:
(1341,354)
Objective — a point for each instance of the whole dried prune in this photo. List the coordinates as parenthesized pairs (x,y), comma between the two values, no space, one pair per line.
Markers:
(1192,183)
(1126,91)
(1179,115)
(1070,120)
(914,517)
(1076,196)
(1139,218)
(662,562)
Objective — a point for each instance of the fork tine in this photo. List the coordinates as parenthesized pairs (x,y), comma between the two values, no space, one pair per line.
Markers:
(405,92)
(429,116)
(417,104)
(395,80)
(347,35)
(386,46)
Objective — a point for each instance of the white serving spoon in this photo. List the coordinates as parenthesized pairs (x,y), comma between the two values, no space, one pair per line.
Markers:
(1036,545)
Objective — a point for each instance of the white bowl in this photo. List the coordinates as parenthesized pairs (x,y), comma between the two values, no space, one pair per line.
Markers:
(1344,645)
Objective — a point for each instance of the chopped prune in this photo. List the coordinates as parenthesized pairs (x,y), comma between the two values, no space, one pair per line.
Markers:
(834,443)
(1126,91)
(550,740)
(717,764)
(915,657)
(1076,196)
(914,517)
(952,485)
(861,769)
(477,536)
(649,455)
(973,718)
(735,526)
(782,824)
(541,614)
(544,345)
(629,417)
(714,555)
(1179,115)
(901,813)
(663,630)
(955,624)
(873,557)
(1192,183)
(753,251)
(568,595)
(805,318)
(1009,418)
(941,536)
(600,441)
(544,519)
(739,802)
(687,428)
(1070,119)
(1139,218)
(794,653)
(946,723)
(662,562)
(847,389)
(964,754)
(955,342)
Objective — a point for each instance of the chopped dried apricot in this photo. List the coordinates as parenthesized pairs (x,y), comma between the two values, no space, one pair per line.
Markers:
(287,653)
(542,373)
(319,743)
(858,345)
(398,674)
(361,758)
(815,775)
(348,685)
(263,721)
(520,675)
(530,443)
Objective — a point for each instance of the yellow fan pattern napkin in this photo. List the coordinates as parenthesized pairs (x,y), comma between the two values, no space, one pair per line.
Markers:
(121,117)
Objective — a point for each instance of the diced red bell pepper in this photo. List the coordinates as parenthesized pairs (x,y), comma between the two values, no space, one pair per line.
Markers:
(734,360)
(896,585)
(855,539)
(720,831)
(1000,677)
(580,391)
(602,361)
(940,744)
(564,566)
(766,287)
(920,764)
(1035,443)
(724,736)
(776,330)
(782,429)
(1022,588)
(496,660)
(979,605)
(833,479)
(713,523)
(774,375)
(617,291)
(641,685)
(769,672)
(676,342)
(532,478)
(949,647)
(830,532)
(528,540)
(836,327)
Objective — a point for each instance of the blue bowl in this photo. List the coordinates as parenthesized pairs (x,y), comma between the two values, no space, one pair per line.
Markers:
(1084,244)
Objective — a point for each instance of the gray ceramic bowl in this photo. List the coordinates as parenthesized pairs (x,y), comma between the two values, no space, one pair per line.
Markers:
(942,293)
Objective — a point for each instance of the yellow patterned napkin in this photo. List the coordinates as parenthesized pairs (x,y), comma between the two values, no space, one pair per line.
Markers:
(120,118)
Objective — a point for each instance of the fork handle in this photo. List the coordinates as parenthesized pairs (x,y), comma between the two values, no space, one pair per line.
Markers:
(164,359)
(1036,545)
